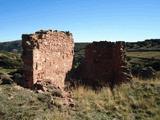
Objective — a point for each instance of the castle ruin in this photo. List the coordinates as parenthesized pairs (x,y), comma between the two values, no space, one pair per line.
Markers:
(105,64)
(47,56)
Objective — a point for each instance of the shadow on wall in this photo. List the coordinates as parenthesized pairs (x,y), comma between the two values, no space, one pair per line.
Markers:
(104,64)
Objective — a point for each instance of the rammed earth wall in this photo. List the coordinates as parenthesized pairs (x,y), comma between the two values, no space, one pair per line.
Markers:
(105,64)
(47,56)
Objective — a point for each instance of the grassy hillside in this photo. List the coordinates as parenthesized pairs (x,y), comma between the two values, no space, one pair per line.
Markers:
(12,46)
(9,61)
(147,54)
(137,101)
(144,59)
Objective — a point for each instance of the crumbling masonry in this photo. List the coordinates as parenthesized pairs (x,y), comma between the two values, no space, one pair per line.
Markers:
(105,64)
(47,56)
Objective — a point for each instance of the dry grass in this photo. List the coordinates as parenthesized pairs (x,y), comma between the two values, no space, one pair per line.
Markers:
(148,54)
(139,100)
(128,102)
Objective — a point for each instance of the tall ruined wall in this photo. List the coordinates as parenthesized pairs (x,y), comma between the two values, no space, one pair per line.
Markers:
(47,56)
(105,64)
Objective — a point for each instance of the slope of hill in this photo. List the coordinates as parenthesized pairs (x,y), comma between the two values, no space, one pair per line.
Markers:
(12,46)
(147,45)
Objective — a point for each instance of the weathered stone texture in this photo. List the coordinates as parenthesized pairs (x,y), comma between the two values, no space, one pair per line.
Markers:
(105,64)
(47,56)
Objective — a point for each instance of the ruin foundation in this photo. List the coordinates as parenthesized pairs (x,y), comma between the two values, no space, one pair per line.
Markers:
(47,56)
(105,64)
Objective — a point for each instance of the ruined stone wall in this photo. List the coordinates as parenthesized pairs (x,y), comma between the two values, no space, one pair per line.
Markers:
(47,56)
(105,64)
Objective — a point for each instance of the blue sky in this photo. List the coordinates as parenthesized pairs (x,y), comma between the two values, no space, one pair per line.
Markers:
(88,20)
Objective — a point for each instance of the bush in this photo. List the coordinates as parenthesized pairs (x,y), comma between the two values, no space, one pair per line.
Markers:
(5,79)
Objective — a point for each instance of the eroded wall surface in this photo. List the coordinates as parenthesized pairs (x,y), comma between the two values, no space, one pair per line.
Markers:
(105,64)
(47,56)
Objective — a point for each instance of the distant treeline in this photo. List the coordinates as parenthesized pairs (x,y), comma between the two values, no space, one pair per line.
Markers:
(147,45)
